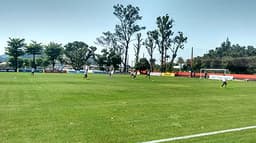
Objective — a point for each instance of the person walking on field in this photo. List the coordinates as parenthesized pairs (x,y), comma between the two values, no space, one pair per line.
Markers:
(224,82)
(148,74)
(133,74)
(32,71)
(86,68)
(111,71)
(205,75)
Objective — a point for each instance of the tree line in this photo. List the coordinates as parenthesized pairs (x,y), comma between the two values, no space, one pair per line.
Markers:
(75,53)
(116,45)
(236,58)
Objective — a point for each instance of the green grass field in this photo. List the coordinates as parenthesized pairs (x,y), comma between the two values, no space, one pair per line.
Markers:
(65,108)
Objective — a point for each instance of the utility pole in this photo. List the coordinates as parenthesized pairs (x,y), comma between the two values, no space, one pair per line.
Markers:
(191,64)
(192,57)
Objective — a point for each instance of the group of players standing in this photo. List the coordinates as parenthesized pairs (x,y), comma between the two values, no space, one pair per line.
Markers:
(133,73)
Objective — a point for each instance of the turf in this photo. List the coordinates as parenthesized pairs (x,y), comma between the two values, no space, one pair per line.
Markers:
(59,108)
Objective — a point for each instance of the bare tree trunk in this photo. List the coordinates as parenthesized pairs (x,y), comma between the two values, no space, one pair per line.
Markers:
(162,57)
(16,64)
(165,59)
(53,64)
(34,65)
(174,56)
(125,58)
(151,64)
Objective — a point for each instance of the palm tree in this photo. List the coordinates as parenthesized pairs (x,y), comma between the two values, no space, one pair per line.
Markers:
(53,51)
(34,49)
(15,49)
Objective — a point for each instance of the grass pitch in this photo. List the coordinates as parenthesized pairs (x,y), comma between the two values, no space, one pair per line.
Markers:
(59,108)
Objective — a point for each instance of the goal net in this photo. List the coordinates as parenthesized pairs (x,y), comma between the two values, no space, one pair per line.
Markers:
(204,72)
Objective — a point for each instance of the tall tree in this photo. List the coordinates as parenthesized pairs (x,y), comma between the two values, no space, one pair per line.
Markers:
(53,51)
(109,41)
(178,41)
(15,49)
(150,45)
(137,47)
(111,55)
(78,53)
(164,28)
(34,49)
(128,16)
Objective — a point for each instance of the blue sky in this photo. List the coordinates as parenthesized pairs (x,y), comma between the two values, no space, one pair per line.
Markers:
(207,23)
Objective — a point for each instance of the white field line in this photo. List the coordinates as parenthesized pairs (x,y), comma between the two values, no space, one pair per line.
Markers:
(201,135)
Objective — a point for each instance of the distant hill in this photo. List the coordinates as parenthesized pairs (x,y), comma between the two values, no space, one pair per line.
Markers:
(3,58)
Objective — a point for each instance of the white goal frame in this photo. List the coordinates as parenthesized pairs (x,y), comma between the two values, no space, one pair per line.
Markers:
(202,70)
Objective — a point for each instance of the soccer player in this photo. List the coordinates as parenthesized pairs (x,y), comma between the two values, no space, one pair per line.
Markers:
(32,71)
(148,74)
(205,75)
(224,82)
(111,71)
(86,71)
(133,74)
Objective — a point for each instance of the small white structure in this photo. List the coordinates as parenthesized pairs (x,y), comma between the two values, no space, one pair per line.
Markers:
(203,72)
(219,77)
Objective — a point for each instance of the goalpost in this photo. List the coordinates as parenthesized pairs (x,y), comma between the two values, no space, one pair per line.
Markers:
(204,71)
